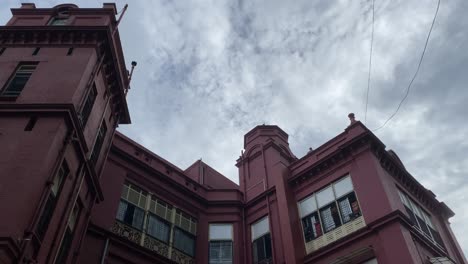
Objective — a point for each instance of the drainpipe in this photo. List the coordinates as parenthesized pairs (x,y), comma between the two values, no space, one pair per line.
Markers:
(104,251)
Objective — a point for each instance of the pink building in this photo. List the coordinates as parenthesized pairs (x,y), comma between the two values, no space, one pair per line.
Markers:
(76,191)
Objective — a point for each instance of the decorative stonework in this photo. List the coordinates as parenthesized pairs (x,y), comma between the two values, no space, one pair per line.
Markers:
(335,234)
(156,246)
(181,258)
(126,231)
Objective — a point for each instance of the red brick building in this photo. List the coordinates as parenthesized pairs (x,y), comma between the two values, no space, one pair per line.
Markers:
(73,190)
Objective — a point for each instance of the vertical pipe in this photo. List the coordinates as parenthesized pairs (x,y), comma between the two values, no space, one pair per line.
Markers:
(104,251)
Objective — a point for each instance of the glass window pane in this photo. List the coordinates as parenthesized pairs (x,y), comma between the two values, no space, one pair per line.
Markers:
(184,242)
(403,198)
(138,217)
(311,226)
(220,252)
(330,217)
(259,228)
(349,207)
(307,206)
(427,218)
(343,186)
(220,232)
(325,196)
(158,228)
(121,211)
(416,210)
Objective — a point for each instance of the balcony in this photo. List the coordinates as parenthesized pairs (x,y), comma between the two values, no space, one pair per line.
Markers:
(150,243)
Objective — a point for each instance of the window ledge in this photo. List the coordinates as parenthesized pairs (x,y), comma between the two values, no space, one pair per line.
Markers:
(8,97)
(335,234)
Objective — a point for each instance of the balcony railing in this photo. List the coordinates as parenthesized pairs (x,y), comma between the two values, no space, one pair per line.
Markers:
(126,231)
(181,258)
(150,243)
(156,246)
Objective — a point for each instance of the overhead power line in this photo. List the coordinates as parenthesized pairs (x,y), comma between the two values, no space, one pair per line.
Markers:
(417,70)
(370,62)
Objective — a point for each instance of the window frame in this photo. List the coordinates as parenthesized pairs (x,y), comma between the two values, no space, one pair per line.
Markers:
(161,220)
(52,199)
(418,214)
(316,208)
(220,240)
(88,105)
(264,237)
(4,92)
(190,236)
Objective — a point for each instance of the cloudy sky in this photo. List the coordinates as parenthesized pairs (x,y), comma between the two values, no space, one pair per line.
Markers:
(209,71)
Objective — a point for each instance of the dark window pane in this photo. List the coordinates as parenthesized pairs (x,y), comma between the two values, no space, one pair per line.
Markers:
(46,216)
(349,207)
(411,216)
(437,237)
(330,217)
(58,21)
(184,242)
(158,228)
(49,207)
(220,252)
(122,211)
(423,226)
(312,228)
(19,79)
(99,142)
(130,214)
(262,249)
(65,247)
(88,105)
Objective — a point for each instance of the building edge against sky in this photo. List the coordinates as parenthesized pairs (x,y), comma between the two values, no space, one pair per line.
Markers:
(77,191)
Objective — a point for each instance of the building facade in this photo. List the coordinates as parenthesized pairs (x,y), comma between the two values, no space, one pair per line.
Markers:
(76,191)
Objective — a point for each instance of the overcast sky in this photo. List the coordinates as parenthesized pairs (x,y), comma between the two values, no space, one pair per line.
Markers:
(209,71)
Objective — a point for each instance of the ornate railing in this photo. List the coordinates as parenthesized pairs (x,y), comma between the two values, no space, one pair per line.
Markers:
(181,258)
(126,231)
(156,246)
(335,234)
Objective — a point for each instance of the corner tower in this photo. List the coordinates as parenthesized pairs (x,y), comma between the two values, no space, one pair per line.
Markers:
(63,82)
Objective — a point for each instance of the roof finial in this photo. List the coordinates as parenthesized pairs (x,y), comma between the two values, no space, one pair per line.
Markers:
(352,118)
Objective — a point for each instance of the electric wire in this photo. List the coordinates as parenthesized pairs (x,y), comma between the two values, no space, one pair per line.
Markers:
(417,70)
(370,62)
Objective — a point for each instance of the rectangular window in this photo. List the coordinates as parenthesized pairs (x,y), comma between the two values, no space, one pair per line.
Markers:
(130,214)
(68,237)
(88,105)
(58,21)
(158,228)
(261,241)
(184,241)
(221,237)
(329,208)
(420,219)
(52,200)
(131,207)
(19,79)
(99,142)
